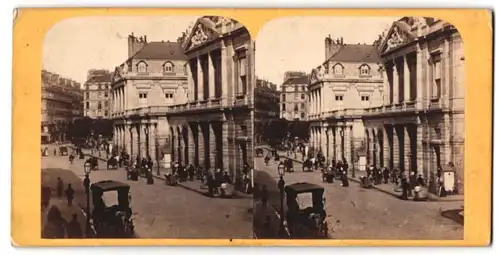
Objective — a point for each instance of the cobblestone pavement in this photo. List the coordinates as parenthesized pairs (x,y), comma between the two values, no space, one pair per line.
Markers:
(162,211)
(357,213)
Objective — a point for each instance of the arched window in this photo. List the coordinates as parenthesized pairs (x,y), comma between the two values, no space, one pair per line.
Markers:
(168,67)
(338,69)
(142,67)
(364,70)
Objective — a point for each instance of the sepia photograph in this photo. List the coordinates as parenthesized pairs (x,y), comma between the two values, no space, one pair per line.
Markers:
(147,128)
(359,129)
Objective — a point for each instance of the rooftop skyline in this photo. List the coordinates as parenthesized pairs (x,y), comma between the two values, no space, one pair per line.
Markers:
(298,43)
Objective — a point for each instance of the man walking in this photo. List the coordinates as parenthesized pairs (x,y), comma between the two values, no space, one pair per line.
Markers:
(70,192)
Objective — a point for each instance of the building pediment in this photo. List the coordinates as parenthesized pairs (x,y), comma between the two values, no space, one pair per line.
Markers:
(201,33)
(399,34)
(118,75)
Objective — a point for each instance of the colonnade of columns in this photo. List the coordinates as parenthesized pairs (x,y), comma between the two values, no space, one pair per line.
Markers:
(335,142)
(396,146)
(118,97)
(207,74)
(316,102)
(138,139)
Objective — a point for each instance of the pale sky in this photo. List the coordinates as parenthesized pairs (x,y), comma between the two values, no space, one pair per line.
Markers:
(74,46)
(298,43)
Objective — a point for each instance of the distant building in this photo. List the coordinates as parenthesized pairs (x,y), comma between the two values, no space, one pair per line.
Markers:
(349,81)
(61,105)
(152,78)
(267,108)
(97,99)
(293,97)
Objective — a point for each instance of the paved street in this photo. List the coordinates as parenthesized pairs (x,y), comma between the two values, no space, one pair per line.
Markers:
(357,213)
(162,211)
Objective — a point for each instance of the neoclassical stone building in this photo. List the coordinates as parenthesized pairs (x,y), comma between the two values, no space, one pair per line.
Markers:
(420,126)
(349,81)
(151,79)
(214,128)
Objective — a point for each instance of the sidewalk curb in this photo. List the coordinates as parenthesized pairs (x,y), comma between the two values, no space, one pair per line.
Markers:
(432,197)
(238,193)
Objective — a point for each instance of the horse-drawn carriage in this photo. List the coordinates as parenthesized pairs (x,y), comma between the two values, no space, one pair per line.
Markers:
(132,172)
(113,221)
(307,165)
(328,174)
(112,163)
(307,222)
(63,151)
(259,152)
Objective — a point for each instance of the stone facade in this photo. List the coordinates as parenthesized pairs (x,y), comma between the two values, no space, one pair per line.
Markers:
(97,103)
(420,126)
(293,96)
(267,108)
(214,128)
(347,82)
(61,105)
(144,86)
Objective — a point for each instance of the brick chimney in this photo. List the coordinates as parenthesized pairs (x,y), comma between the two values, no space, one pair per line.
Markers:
(332,46)
(135,44)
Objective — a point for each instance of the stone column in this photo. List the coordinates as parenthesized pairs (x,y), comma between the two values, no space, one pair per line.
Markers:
(211,77)
(386,148)
(331,144)
(130,140)
(125,102)
(395,83)
(224,72)
(226,151)
(407,149)
(190,81)
(191,144)
(386,85)
(421,78)
(446,148)
(152,141)
(323,139)
(138,135)
(406,73)
(395,148)
(338,143)
(213,143)
(420,149)
(369,149)
(201,144)
(347,145)
(200,79)
(447,81)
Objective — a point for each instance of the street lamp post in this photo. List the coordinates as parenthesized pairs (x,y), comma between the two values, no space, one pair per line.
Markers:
(281,186)
(86,183)
(157,159)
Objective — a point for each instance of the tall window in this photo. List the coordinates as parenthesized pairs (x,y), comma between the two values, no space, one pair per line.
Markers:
(87,95)
(99,106)
(283,106)
(106,104)
(242,73)
(142,67)
(105,94)
(283,97)
(169,67)
(364,70)
(302,96)
(105,113)
(87,105)
(436,76)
